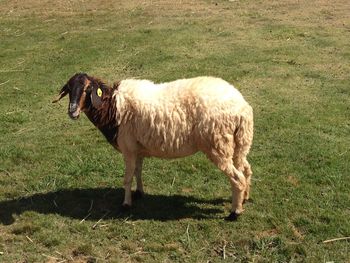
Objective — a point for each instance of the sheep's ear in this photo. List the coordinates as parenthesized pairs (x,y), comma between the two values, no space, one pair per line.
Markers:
(96,97)
(63,92)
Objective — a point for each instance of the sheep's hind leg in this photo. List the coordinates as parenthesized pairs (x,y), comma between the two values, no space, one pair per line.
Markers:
(139,193)
(244,167)
(238,185)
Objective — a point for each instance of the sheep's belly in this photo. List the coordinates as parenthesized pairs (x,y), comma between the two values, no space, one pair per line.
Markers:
(170,152)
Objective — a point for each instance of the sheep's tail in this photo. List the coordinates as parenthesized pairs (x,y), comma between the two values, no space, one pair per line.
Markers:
(243,137)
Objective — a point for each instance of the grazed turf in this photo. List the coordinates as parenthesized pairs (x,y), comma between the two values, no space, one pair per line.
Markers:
(58,178)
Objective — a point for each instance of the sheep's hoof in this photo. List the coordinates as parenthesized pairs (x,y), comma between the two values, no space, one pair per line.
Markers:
(124,208)
(232,217)
(137,195)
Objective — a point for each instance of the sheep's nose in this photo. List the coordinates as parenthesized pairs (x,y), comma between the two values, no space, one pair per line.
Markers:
(73,111)
(73,107)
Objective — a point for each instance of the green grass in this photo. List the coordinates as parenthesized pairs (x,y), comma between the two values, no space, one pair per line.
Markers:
(290,61)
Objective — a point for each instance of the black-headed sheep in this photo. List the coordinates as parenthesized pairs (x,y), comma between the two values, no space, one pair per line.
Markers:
(169,120)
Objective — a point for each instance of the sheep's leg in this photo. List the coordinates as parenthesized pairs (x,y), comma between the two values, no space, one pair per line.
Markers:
(244,167)
(130,165)
(238,185)
(138,171)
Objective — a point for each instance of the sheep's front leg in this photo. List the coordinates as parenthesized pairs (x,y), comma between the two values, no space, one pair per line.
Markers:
(138,171)
(130,165)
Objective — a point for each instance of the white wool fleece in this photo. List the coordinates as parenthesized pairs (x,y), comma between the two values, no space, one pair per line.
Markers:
(179,118)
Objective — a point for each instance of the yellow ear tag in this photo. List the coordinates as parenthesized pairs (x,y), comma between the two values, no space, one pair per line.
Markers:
(99,92)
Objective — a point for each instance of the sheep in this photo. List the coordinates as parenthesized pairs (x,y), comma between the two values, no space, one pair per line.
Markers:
(169,120)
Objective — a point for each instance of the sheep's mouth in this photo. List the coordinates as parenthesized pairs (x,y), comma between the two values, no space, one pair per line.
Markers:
(73,117)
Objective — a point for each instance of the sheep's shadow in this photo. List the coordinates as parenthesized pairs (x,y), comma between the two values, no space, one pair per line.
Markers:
(97,203)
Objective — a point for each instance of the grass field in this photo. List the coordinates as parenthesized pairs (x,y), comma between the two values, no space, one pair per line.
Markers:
(61,183)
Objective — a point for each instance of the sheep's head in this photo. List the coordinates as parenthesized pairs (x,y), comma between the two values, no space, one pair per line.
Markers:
(84,92)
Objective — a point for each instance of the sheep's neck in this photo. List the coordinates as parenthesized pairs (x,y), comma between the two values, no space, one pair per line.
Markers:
(105,120)
(110,131)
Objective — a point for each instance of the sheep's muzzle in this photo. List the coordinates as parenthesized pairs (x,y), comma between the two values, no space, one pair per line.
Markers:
(73,111)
